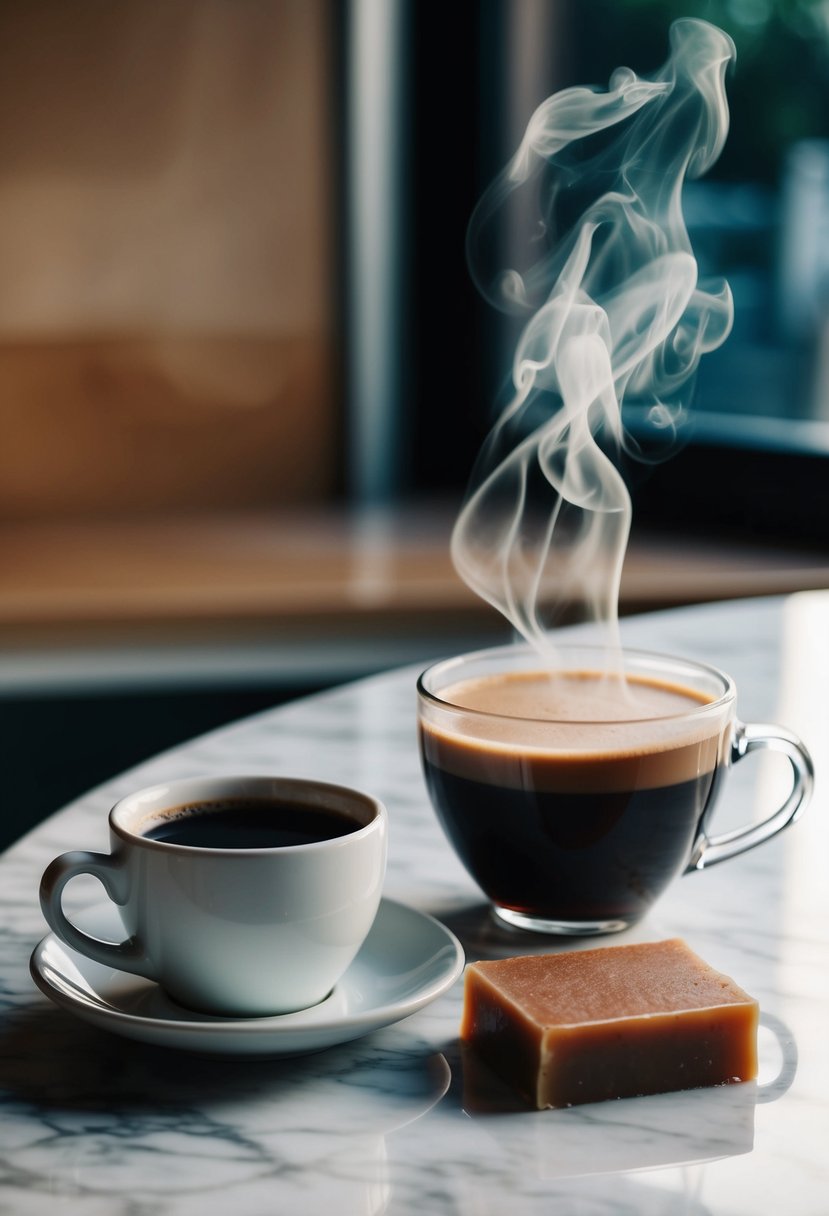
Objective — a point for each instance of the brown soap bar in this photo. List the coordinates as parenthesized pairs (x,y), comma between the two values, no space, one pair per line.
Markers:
(609,1023)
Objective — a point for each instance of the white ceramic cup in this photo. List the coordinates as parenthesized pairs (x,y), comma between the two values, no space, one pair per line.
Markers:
(237,932)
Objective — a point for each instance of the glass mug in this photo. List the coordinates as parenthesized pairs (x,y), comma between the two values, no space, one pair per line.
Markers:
(575,797)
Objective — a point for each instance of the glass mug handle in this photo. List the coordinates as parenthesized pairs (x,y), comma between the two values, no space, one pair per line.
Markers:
(125,956)
(753,737)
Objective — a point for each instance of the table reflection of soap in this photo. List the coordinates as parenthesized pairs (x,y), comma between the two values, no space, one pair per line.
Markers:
(634,1133)
(673,1129)
(671,1193)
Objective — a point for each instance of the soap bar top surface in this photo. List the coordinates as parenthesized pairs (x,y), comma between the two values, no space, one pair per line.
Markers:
(612,982)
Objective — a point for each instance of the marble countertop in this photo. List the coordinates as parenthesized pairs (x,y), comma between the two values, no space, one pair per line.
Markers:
(97,1124)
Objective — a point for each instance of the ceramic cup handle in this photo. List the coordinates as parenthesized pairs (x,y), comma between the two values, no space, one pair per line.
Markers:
(127,955)
(756,737)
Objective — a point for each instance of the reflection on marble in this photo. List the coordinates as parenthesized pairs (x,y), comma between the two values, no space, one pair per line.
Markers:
(640,1133)
(94,1124)
(83,1109)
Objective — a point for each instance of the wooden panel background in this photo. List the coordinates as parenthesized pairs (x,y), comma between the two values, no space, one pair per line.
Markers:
(165,256)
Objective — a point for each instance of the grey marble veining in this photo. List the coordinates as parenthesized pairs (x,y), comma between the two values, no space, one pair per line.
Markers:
(399,1122)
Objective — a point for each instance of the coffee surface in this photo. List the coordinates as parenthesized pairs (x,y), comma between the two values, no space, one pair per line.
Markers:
(577,731)
(579,696)
(248,823)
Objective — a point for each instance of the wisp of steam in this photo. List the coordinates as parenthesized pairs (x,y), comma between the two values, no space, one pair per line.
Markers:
(617,317)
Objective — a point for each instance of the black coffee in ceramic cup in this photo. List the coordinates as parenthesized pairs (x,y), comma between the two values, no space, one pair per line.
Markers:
(575,796)
(249,823)
(241,896)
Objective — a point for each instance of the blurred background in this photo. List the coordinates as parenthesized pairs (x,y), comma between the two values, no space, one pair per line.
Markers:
(244,373)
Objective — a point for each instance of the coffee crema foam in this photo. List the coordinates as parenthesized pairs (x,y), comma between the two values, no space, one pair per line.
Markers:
(575,696)
(576,731)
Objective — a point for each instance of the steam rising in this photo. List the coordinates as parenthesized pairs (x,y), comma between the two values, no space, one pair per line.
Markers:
(618,316)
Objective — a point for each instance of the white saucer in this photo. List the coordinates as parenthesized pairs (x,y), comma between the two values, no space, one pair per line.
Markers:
(407,960)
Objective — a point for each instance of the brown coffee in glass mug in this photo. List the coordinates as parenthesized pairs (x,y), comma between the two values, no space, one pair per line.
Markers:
(575,796)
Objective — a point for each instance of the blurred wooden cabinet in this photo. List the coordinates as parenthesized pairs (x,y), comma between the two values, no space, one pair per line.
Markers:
(165,256)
